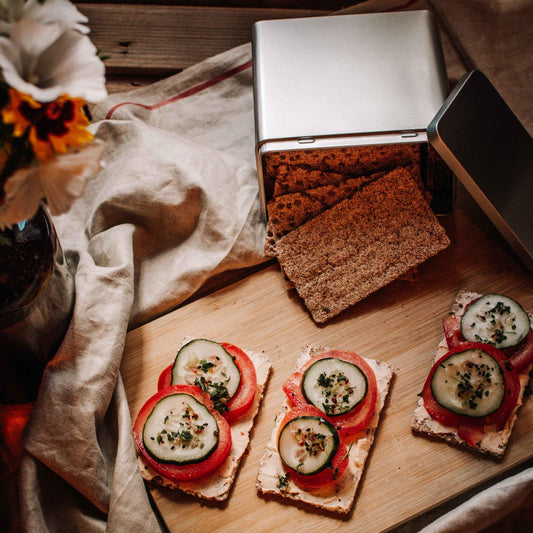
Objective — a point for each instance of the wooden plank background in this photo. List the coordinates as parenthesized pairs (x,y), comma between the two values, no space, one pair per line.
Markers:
(144,42)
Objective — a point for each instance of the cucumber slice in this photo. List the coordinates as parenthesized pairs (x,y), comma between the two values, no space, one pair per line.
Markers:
(495,319)
(307,444)
(334,386)
(180,430)
(469,383)
(207,365)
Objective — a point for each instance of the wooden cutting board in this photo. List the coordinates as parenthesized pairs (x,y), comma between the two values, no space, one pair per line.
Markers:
(405,475)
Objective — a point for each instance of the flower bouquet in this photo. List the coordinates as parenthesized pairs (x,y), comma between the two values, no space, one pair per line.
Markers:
(49,73)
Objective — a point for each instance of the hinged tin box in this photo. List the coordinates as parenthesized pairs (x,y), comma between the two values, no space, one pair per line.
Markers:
(360,93)
(336,86)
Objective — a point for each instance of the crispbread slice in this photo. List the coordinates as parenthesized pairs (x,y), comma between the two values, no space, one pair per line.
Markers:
(353,160)
(361,244)
(217,486)
(288,211)
(291,179)
(495,442)
(340,496)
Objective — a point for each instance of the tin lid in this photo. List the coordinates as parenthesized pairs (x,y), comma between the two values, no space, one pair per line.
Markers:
(332,76)
(491,153)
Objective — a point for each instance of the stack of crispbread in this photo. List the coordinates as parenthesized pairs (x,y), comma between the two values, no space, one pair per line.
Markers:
(339,237)
(289,211)
(355,160)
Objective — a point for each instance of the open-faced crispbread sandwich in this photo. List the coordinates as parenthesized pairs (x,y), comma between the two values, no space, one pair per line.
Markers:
(475,387)
(325,428)
(192,434)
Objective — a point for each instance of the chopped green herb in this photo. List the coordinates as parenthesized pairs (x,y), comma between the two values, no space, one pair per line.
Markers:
(283,481)
(205,366)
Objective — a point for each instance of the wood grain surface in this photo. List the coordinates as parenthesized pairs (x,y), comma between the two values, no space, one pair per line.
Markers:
(405,474)
(143,43)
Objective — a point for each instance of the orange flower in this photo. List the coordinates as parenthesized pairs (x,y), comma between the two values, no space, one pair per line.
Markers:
(52,127)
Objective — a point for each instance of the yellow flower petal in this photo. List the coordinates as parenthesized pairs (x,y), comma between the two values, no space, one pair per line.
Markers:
(13,112)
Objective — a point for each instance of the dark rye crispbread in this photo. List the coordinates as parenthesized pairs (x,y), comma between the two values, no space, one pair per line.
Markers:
(494,442)
(361,244)
(288,211)
(289,179)
(280,174)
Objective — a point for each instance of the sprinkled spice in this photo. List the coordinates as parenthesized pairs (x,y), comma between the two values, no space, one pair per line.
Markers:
(337,391)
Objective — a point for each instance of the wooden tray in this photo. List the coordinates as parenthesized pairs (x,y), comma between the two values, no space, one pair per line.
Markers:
(406,475)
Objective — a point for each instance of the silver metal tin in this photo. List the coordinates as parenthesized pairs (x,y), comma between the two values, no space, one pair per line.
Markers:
(491,153)
(347,80)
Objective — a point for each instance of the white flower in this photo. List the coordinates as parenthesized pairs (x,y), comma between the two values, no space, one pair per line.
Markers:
(62,11)
(47,61)
(61,180)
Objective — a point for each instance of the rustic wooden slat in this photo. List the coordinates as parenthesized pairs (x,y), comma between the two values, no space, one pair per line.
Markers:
(160,40)
(280,4)
(117,83)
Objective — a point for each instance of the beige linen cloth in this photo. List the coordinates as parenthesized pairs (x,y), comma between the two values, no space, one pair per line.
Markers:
(176,204)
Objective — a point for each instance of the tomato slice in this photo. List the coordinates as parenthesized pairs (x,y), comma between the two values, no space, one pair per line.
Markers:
(356,419)
(339,461)
(470,434)
(243,398)
(452,331)
(186,472)
(499,417)
(165,378)
(522,357)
